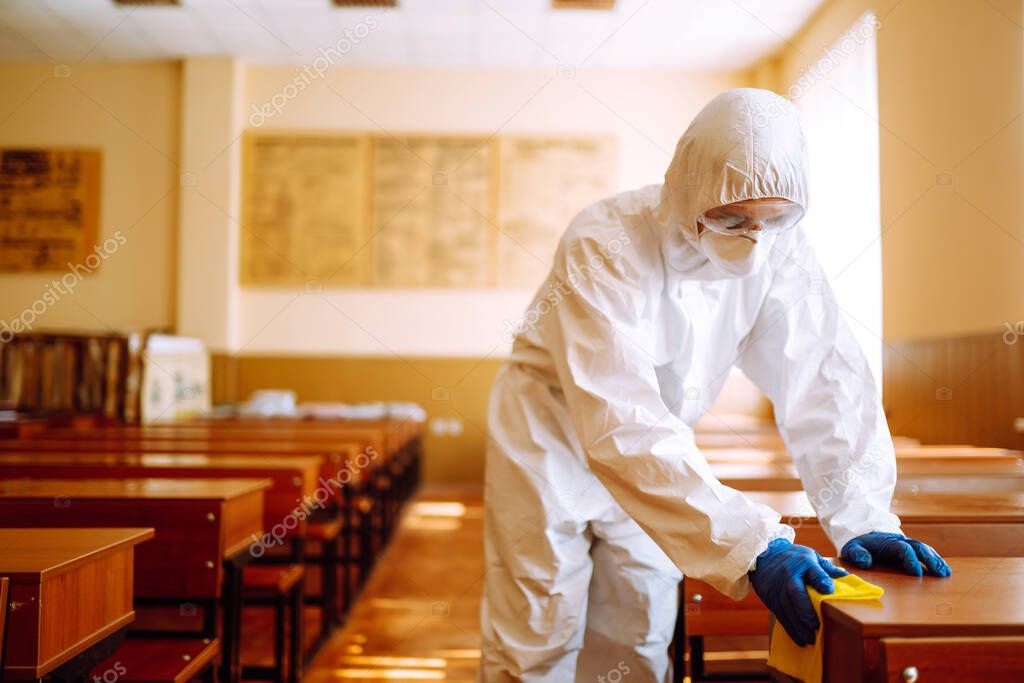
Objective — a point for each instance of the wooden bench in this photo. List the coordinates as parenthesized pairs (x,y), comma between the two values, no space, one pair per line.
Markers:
(155,660)
(279,587)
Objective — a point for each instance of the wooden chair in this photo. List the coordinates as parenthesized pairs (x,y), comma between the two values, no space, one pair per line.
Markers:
(322,551)
(160,660)
(280,587)
(952,660)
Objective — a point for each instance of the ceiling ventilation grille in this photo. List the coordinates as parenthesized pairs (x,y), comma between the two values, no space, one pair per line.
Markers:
(148,3)
(582,4)
(365,3)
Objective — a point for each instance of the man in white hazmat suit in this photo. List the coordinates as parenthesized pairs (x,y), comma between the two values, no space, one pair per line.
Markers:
(597,497)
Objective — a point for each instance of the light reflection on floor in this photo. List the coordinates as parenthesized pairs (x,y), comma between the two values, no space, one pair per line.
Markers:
(417,619)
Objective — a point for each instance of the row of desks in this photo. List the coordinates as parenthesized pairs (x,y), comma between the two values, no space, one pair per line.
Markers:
(967,502)
(207,491)
(201,530)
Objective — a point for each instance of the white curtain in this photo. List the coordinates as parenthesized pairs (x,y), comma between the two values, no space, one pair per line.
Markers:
(837,96)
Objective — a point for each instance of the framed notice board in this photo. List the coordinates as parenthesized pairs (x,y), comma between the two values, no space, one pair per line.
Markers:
(49,207)
(417,210)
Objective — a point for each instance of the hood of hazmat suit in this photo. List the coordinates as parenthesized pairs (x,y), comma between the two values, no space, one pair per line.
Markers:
(624,347)
(745,144)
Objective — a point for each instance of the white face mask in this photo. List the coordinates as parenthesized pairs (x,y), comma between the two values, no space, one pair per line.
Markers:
(733,255)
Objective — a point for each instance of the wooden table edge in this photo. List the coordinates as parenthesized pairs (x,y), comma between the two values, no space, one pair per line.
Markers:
(140,535)
(30,673)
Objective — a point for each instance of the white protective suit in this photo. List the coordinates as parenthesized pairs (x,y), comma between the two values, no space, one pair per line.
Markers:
(597,497)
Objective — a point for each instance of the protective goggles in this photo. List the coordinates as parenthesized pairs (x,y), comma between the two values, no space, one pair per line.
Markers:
(752,216)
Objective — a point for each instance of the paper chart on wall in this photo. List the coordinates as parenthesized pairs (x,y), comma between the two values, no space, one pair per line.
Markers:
(433,212)
(304,210)
(545,182)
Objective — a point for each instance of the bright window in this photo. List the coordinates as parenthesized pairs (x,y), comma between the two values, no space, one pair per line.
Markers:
(838,101)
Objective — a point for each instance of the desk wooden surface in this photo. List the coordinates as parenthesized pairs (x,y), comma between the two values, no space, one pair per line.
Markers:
(69,590)
(134,489)
(405,426)
(955,524)
(911,508)
(919,475)
(383,436)
(293,478)
(744,455)
(335,455)
(199,522)
(351,440)
(983,597)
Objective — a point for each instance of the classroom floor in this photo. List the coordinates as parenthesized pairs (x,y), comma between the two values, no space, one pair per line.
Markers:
(418,616)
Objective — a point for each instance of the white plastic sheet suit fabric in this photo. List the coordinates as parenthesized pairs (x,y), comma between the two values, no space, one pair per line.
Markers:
(596,496)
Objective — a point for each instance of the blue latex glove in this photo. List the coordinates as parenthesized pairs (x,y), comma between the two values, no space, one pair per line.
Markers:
(779,578)
(894,550)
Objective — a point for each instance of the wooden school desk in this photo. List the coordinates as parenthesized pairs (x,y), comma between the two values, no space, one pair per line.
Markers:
(956,524)
(204,528)
(383,440)
(371,482)
(292,479)
(70,595)
(388,438)
(294,488)
(392,445)
(878,642)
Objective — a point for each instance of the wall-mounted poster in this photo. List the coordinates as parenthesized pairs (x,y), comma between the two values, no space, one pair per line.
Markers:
(545,182)
(49,207)
(433,212)
(303,216)
(414,210)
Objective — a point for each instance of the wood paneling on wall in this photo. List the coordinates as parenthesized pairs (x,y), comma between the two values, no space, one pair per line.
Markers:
(967,389)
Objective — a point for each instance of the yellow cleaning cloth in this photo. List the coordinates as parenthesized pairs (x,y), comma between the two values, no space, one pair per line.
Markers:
(804,663)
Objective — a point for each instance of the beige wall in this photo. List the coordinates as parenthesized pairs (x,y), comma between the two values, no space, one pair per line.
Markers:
(646,111)
(170,138)
(131,112)
(950,97)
